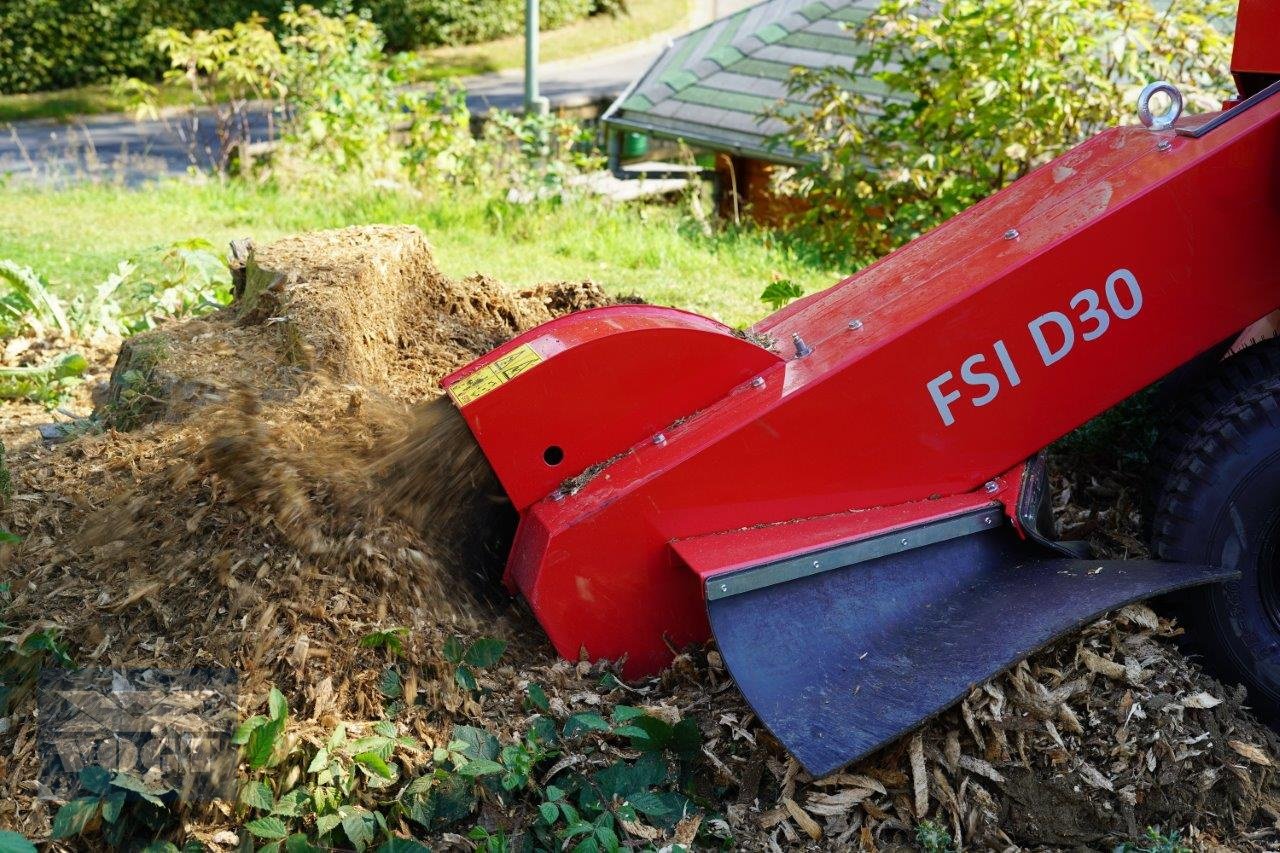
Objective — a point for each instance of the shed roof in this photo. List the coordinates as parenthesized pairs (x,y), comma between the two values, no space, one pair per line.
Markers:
(715,85)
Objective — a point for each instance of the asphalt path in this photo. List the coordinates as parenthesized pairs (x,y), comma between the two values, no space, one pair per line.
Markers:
(116,147)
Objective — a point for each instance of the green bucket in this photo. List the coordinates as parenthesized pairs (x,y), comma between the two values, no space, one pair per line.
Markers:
(634,145)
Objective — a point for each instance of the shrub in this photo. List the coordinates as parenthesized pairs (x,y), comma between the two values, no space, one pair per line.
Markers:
(982,92)
(54,44)
(411,23)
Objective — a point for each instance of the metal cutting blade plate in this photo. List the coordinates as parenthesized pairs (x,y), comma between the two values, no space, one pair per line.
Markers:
(840,663)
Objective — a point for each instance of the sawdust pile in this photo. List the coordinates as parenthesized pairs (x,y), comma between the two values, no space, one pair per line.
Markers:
(222,519)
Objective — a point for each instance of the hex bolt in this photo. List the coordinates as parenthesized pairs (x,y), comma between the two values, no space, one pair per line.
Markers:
(758,382)
(855,325)
(817,565)
(1164,145)
(1011,234)
(992,487)
(904,541)
(988,520)
(802,349)
(659,439)
(724,587)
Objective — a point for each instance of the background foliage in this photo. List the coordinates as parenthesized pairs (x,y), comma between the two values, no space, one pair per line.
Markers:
(981,93)
(54,44)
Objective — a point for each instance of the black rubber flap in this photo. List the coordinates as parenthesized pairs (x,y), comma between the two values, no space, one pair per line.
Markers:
(841,663)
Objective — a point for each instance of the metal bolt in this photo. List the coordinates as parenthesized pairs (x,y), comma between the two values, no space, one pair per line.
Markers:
(724,587)
(855,325)
(987,520)
(1011,234)
(802,349)
(817,565)
(758,382)
(992,487)
(1164,145)
(659,439)
(904,541)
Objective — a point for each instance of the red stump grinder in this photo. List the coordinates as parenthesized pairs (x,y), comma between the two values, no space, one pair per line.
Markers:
(857,511)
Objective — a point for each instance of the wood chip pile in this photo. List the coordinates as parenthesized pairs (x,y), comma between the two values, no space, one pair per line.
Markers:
(221,519)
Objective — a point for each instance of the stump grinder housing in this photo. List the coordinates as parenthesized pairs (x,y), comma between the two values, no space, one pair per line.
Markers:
(857,510)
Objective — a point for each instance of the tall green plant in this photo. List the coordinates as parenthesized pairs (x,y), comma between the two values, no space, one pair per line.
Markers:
(227,69)
(952,101)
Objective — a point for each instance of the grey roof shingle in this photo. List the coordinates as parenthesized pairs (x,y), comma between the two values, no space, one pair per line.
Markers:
(719,85)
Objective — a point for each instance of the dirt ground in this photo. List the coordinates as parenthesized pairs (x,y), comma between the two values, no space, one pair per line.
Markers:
(221,515)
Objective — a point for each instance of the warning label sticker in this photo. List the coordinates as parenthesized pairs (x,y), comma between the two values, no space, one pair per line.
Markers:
(495,374)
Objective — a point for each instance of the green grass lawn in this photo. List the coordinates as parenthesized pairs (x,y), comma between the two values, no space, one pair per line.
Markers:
(599,32)
(75,237)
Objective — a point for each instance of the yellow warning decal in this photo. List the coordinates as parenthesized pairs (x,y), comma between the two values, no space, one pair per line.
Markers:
(494,374)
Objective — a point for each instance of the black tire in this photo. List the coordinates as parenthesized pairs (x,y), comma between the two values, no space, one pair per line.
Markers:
(1220,505)
(1198,390)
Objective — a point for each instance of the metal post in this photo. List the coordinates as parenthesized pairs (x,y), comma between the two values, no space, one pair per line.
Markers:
(533,102)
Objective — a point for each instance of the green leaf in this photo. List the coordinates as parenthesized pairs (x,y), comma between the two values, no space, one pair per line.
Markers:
(485,652)
(132,783)
(479,767)
(649,803)
(290,804)
(327,823)
(375,763)
(95,779)
(74,816)
(396,844)
(15,842)
(299,843)
(478,742)
(7,538)
(543,730)
(465,678)
(262,742)
(779,293)
(587,722)
(270,847)
(257,795)
(241,735)
(549,812)
(267,827)
(622,713)
(319,761)
(389,684)
(649,733)
(359,826)
(374,743)
(686,739)
(606,837)
(538,697)
(390,638)
(453,650)
(113,805)
(419,785)
(276,705)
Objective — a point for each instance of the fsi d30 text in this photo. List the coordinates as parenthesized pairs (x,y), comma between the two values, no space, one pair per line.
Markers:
(984,375)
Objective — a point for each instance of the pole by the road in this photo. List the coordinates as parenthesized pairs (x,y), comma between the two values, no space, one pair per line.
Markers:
(533,102)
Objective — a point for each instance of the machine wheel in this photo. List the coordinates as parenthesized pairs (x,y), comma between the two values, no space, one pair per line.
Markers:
(1220,505)
(1198,390)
